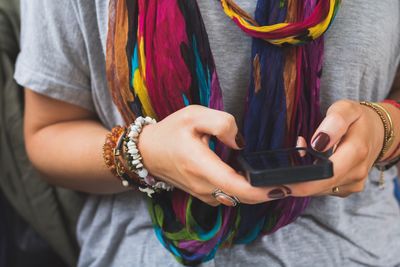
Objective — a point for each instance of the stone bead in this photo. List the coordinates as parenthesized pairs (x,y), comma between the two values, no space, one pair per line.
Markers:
(139,121)
(140,165)
(125,183)
(147,190)
(132,145)
(133,134)
(110,143)
(150,180)
(143,173)
(133,151)
(137,156)
(136,128)
(135,162)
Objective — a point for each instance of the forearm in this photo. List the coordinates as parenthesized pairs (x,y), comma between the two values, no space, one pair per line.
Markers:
(64,142)
(69,154)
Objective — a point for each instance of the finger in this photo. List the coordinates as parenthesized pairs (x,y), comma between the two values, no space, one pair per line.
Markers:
(301,143)
(206,198)
(223,177)
(352,182)
(220,124)
(347,190)
(347,156)
(338,119)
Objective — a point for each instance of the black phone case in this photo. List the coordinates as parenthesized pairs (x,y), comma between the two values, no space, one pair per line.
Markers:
(279,176)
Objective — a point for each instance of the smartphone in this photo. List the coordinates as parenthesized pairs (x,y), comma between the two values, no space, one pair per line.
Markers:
(284,166)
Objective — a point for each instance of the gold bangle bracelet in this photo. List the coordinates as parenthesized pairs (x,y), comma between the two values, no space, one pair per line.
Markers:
(387,125)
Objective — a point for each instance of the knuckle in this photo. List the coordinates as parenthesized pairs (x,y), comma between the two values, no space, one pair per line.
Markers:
(187,116)
(230,119)
(345,104)
(224,126)
(226,123)
(363,173)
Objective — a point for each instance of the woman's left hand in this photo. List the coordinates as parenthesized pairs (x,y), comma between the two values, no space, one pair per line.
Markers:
(356,134)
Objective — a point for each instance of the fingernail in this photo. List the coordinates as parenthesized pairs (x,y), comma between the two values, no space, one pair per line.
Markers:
(298,142)
(276,194)
(321,141)
(240,141)
(288,191)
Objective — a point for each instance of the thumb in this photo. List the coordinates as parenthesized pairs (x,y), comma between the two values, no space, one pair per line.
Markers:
(339,118)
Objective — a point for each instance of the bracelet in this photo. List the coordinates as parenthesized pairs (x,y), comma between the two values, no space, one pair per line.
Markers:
(108,148)
(392,102)
(391,160)
(123,175)
(390,157)
(112,153)
(134,159)
(387,125)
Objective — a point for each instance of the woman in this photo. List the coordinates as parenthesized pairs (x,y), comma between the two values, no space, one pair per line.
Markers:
(69,108)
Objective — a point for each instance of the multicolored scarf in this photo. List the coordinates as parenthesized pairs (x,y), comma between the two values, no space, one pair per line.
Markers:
(159,60)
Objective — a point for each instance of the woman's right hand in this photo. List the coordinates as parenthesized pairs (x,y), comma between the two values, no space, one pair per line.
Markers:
(177,151)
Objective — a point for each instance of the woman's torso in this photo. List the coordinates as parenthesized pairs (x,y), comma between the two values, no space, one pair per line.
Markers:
(361,56)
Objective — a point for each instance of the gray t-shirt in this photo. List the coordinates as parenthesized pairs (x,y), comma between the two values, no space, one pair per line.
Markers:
(63,56)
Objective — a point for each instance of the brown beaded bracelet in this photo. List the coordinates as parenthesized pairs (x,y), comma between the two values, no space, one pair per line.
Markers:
(114,157)
(127,178)
(108,148)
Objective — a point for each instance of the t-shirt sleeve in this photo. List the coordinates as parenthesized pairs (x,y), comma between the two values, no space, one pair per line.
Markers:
(53,59)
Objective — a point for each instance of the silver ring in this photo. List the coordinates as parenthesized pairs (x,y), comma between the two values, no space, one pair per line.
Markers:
(225,199)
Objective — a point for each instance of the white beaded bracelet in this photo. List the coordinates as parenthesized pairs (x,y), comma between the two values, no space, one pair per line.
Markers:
(135,159)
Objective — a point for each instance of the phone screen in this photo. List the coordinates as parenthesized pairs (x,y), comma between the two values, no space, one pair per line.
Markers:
(281,159)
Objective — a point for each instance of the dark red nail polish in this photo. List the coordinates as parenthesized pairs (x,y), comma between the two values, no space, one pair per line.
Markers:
(276,194)
(321,141)
(240,141)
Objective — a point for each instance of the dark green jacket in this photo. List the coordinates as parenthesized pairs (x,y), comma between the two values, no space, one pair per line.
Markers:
(51,211)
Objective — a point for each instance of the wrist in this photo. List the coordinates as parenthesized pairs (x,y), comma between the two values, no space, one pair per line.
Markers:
(135,159)
(377,136)
(393,108)
(387,122)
